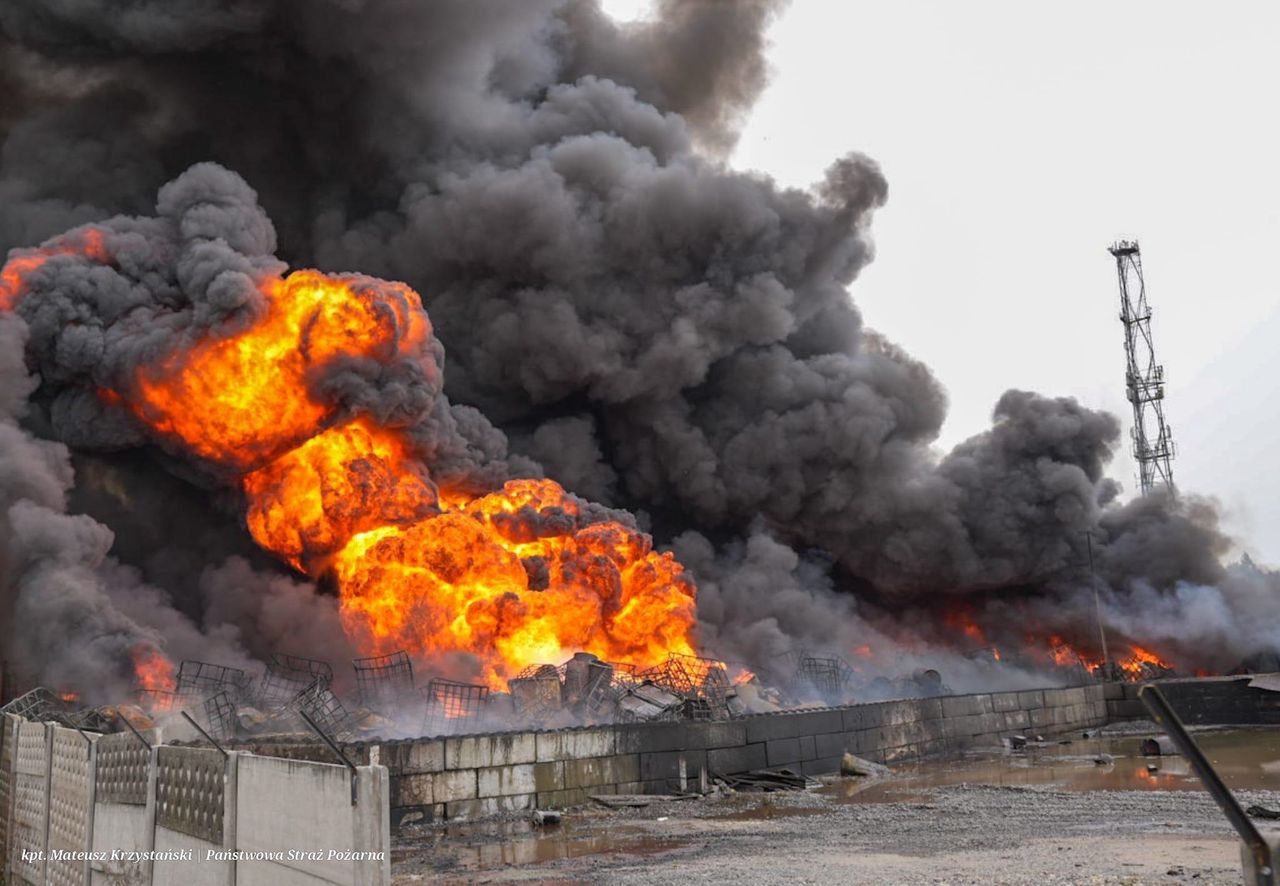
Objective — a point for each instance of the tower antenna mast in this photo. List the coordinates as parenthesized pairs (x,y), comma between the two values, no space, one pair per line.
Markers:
(1144,377)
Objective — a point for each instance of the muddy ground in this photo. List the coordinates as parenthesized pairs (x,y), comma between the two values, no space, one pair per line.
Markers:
(1050,815)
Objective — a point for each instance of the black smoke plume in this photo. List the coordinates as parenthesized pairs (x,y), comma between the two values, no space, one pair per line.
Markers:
(620,309)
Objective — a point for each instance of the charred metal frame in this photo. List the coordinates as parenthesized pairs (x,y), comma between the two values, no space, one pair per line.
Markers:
(692,678)
(383,679)
(287,675)
(320,707)
(201,679)
(220,713)
(453,703)
(535,692)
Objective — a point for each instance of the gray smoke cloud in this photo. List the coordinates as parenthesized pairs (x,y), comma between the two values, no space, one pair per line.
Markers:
(619,309)
(57,584)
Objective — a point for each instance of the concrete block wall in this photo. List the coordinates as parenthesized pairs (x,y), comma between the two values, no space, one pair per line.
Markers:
(81,803)
(467,777)
(1201,701)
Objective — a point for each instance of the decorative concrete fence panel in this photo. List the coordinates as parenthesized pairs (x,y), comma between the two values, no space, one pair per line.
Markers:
(30,820)
(71,786)
(119,811)
(8,751)
(296,824)
(124,813)
(195,817)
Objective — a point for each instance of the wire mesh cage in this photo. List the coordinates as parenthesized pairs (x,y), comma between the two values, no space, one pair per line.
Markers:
(697,709)
(691,677)
(452,706)
(624,675)
(324,708)
(220,713)
(384,680)
(535,693)
(39,704)
(287,675)
(830,676)
(200,679)
(87,719)
(157,701)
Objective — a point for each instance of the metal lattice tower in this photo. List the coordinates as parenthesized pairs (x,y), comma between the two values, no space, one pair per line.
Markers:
(1144,377)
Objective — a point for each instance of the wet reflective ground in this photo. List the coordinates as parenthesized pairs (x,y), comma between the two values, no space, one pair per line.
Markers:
(497,844)
(1247,759)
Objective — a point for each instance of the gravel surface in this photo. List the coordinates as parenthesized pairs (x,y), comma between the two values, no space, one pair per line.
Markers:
(956,835)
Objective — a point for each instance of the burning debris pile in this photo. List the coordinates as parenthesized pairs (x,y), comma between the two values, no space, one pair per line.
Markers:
(295,695)
(664,435)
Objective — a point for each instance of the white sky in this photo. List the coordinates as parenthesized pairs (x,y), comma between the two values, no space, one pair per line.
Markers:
(1019,140)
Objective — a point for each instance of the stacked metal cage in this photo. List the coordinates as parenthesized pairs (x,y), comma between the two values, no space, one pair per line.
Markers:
(324,708)
(453,707)
(705,680)
(220,715)
(535,693)
(288,675)
(198,680)
(39,705)
(829,676)
(384,682)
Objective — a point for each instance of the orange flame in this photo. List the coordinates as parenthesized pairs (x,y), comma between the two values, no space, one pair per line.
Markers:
(244,400)
(960,618)
(513,577)
(22,263)
(1133,664)
(151,670)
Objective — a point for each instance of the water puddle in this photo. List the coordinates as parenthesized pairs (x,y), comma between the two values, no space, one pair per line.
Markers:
(1247,759)
(768,812)
(489,845)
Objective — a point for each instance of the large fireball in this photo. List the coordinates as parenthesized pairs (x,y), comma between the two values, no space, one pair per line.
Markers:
(521,575)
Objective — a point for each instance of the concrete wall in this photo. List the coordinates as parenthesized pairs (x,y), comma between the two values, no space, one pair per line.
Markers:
(308,808)
(71,791)
(466,777)
(29,825)
(8,749)
(195,813)
(1202,701)
(103,797)
(124,808)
